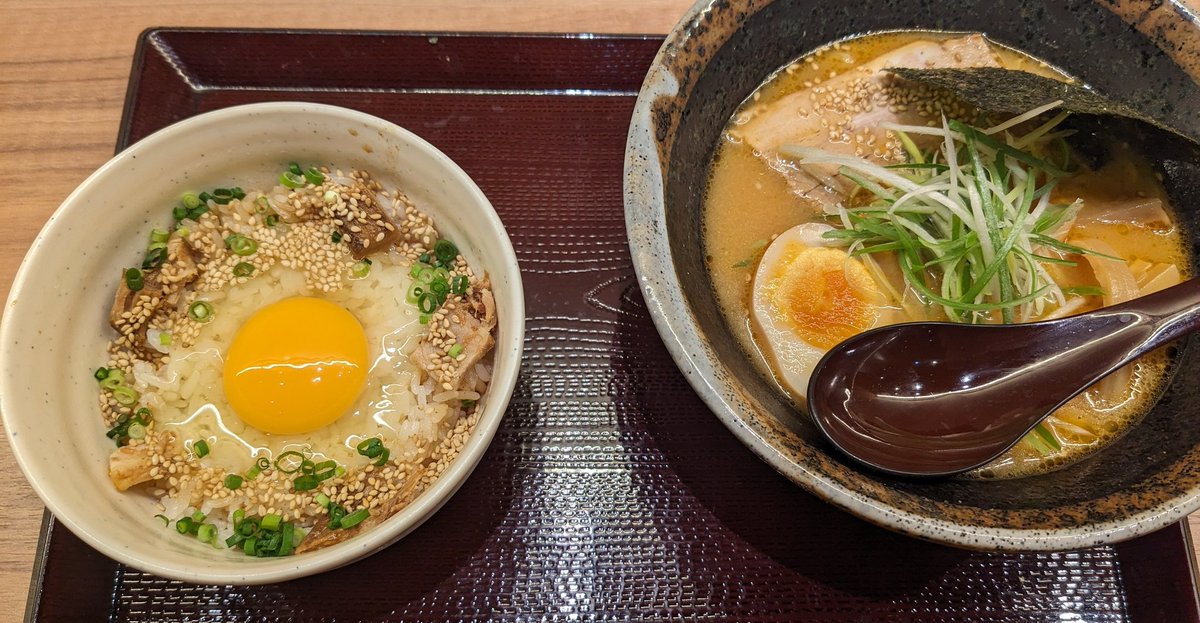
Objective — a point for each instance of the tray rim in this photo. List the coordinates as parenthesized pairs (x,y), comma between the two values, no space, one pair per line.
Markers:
(144,41)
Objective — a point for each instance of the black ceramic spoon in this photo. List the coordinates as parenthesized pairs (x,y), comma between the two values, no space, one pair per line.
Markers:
(933,399)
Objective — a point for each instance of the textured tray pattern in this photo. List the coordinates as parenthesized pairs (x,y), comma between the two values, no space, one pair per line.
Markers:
(610,492)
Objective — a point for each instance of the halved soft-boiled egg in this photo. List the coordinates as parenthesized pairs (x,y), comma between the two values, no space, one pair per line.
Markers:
(807,296)
(296,365)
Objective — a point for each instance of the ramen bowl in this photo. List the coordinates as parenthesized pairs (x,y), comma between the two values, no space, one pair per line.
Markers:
(717,55)
(55,329)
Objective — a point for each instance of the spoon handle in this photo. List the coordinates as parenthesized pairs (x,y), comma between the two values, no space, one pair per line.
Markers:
(1171,313)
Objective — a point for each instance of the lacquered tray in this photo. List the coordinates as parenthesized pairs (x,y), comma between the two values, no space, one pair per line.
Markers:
(610,492)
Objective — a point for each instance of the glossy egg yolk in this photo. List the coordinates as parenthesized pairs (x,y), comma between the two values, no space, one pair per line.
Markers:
(296,366)
(819,294)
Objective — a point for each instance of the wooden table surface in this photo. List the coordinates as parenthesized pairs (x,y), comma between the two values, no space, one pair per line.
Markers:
(63,72)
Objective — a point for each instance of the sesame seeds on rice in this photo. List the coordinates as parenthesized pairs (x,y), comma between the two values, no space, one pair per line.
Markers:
(319,232)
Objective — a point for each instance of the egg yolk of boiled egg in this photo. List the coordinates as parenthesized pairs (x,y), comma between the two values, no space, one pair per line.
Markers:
(296,366)
(806,298)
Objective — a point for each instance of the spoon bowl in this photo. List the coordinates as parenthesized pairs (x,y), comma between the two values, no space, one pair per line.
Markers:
(934,398)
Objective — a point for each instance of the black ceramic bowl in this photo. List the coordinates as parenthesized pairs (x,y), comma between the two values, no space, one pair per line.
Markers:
(1140,53)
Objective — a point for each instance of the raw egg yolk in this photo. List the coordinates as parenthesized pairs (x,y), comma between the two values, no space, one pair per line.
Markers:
(296,366)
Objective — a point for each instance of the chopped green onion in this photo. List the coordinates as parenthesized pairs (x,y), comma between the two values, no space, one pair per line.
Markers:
(336,513)
(233,481)
(414,292)
(427,303)
(323,500)
(112,382)
(383,458)
(200,448)
(271,522)
(307,466)
(360,268)
(336,237)
(137,431)
(262,205)
(198,212)
(154,258)
(291,180)
(307,482)
(253,472)
(241,245)
(355,518)
(370,448)
(207,533)
(159,235)
(426,275)
(198,517)
(134,280)
(414,271)
(200,311)
(183,525)
(222,195)
(179,213)
(467,404)
(143,416)
(287,538)
(249,546)
(190,201)
(164,339)
(445,251)
(330,197)
(101,374)
(166,520)
(243,269)
(459,284)
(314,176)
(116,374)
(295,458)
(425,318)
(271,220)
(125,395)
(294,168)
(263,463)
(183,232)
(455,351)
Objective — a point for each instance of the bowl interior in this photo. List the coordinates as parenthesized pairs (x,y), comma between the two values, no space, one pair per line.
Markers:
(719,59)
(55,325)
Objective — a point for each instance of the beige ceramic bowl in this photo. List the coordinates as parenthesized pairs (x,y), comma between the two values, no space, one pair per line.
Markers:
(55,328)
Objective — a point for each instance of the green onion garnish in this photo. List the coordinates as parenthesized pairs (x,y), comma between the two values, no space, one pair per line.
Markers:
(190,201)
(233,481)
(263,463)
(159,235)
(307,466)
(134,280)
(112,382)
(243,269)
(383,458)
(183,525)
(445,251)
(101,374)
(200,448)
(426,275)
(427,303)
(314,176)
(425,318)
(361,268)
(271,220)
(164,339)
(117,375)
(179,213)
(294,168)
(459,284)
(323,500)
(291,180)
(125,395)
(136,431)
(207,533)
(271,522)
(467,404)
(336,237)
(166,520)
(370,448)
(183,232)
(295,460)
(355,518)
(143,416)
(336,513)
(307,482)
(200,311)
(154,258)
(241,245)
(455,351)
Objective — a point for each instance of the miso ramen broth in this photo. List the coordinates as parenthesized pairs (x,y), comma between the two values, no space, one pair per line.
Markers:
(842,198)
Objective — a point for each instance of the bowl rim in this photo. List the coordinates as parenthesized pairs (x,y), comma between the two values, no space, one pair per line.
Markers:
(269,570)
(653,261)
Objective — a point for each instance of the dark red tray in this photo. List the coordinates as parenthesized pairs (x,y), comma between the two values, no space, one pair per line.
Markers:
(610,492)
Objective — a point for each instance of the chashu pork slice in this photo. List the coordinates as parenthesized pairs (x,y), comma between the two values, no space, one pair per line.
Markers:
(843,114)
